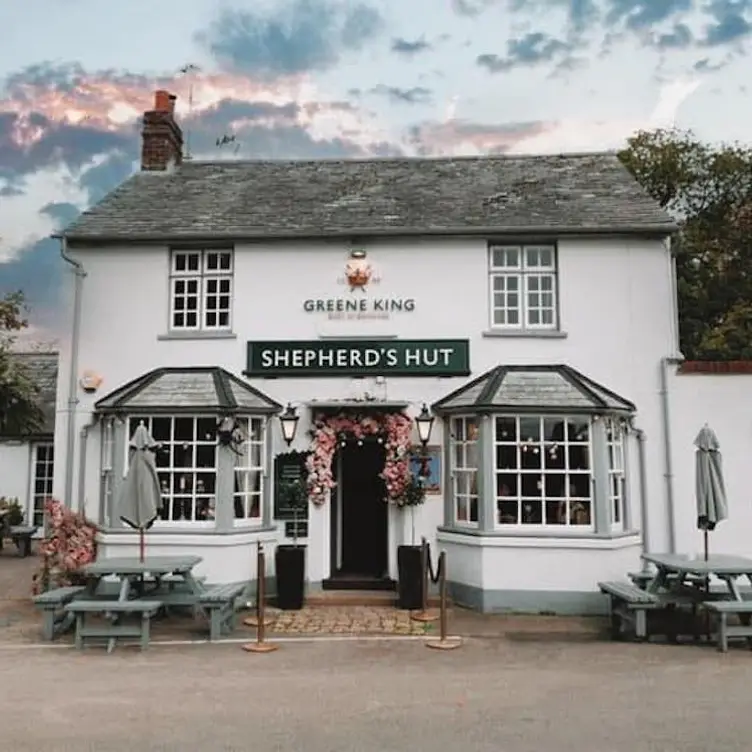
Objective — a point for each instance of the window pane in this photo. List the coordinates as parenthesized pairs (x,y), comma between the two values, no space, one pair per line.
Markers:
(532,512)
(506,429)
(506,484)
(578,430)
(506,257)
(506,457)
(556,512)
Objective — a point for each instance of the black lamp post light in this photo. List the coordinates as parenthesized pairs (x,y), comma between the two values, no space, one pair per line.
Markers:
(288,420)
(424,424)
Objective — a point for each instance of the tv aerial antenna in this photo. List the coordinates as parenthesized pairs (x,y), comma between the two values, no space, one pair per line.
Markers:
(186,70)
(229,140)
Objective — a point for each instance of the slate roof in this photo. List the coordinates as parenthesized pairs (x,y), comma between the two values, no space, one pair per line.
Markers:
(539,389)
(489,195)
(187,390)
(42,369)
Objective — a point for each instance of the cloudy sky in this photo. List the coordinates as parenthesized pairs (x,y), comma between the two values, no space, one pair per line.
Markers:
(307,78)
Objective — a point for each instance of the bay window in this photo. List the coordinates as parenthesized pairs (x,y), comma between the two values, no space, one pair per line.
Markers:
(186,465)
(249,470)
(616,472)
(464,442)
(543,471)
(537,450)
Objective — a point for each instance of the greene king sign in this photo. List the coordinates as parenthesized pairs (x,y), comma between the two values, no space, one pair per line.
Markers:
(359,304)
(300,358)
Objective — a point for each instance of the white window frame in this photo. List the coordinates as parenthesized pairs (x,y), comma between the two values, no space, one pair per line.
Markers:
(543,446)
(253,446)
(617,478)
(37,499)
(465,470)
(210,266)
(107,460)
(207,500)
(523,272)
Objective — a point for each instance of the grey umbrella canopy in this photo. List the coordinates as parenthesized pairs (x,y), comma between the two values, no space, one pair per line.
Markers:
(140,497)
(710,490)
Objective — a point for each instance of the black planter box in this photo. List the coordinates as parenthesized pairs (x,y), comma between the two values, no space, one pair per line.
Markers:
(289,562)
(410,585)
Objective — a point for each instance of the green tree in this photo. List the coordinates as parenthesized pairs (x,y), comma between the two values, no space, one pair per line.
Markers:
(708,190)
(20,412)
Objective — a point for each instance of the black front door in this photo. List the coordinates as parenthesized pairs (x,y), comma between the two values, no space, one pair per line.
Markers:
(362,529)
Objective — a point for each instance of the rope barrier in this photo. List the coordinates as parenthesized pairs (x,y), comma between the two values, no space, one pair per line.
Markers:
(253,621)
(443,643)
(426,571)
(260,646)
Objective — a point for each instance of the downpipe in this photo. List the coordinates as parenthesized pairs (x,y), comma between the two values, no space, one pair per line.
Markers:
(72,402)
(644,505)
(668,474)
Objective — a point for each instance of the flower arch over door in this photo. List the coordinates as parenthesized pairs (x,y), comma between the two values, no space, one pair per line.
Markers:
(391,429)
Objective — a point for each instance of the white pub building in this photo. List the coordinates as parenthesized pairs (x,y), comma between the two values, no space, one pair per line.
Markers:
(527,303)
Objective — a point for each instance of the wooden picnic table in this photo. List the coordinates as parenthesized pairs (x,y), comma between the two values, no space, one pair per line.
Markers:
(132,571)
(674,568)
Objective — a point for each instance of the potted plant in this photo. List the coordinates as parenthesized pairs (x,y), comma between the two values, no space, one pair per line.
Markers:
(289,561)
(14,512)
(409,561)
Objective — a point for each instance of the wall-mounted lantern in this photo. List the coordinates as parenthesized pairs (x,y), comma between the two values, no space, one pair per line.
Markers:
(289,423)
(424,424)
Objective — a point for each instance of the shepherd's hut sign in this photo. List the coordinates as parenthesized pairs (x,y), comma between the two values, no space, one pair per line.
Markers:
(407,357)
(359,303)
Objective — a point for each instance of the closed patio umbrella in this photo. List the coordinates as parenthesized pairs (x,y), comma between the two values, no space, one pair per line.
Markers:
(140,498)
(709,486)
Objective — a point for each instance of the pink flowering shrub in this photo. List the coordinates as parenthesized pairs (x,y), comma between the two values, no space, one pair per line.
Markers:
(69,545)
(392,430)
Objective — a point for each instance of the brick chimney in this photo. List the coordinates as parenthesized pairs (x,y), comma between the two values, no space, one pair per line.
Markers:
(161,136)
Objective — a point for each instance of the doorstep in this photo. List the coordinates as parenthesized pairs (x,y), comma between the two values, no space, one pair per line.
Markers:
(358,598)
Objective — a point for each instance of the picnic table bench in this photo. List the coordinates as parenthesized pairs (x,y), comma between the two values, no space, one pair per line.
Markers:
(21,535)
(106,630)
(722,609)
(219,601)
(630,604)
(52,605)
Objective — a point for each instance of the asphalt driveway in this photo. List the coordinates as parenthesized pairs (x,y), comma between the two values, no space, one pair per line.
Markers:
(375,696)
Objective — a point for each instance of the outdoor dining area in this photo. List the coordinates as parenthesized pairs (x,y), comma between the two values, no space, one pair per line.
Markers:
(702,596)
(118,597)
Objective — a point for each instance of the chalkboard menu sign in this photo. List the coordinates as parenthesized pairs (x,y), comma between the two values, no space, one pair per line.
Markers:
(289,468)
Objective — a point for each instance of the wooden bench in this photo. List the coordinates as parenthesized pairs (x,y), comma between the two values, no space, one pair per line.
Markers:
(629,603)
(219,601)
(21,535)
(643,579)
(83,608)
(52,605)
(725,630)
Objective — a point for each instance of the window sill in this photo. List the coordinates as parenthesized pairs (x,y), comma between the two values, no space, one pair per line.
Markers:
(526,333)
(126,536)
(198,334)
(539,539)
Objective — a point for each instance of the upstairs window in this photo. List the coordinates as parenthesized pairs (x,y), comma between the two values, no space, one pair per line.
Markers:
(523,287)
(201,290)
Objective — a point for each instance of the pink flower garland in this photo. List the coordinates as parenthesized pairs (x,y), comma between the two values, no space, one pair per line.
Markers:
(393,429)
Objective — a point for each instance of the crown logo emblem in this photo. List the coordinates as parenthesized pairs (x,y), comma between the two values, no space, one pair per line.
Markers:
(358,271)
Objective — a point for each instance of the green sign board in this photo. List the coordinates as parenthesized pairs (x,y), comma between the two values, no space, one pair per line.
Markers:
(289,467)
(359,357)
